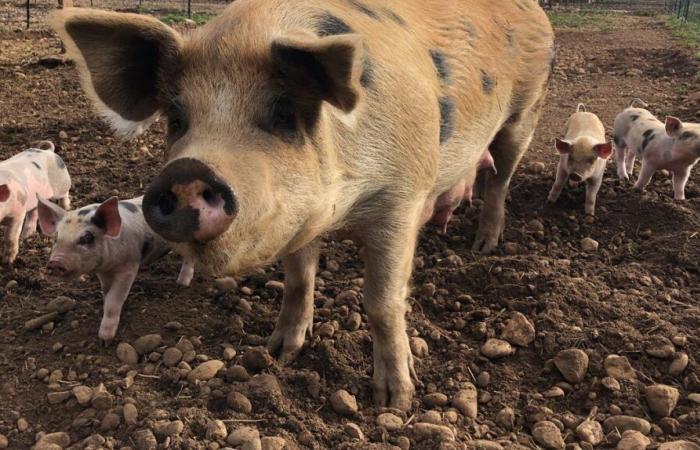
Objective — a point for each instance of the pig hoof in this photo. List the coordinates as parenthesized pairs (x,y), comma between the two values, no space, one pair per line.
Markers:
(106,342)
(287,341)
(393,388)
(485,244)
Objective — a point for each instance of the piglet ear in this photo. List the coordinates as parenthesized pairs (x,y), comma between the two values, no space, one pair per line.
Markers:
(4,192)
(562,146)
(604,150)
(107,217)
(673,126)
(49,216)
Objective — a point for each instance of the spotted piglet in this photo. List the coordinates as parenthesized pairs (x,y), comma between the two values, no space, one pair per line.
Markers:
(110,239)
(583,154)
(673,145)
(36,171)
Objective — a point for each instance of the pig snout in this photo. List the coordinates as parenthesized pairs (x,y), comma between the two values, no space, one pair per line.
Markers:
(576,178)
(57,268)
(188,202)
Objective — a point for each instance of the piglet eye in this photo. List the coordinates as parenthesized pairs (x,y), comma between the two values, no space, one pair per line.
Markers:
(87,239)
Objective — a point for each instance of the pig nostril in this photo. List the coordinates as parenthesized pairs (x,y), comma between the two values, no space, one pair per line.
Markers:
(210,197)
(167,203)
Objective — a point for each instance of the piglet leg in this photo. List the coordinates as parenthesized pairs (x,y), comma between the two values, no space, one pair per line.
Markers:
(12,235)
(645,175)
(65,202)
(630,157)
(186,273)
(558,185)
(680,178)
(116,287)
(592,187)
(30,223)
(620,162)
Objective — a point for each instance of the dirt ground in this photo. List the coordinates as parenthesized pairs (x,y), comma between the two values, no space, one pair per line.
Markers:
(637,293)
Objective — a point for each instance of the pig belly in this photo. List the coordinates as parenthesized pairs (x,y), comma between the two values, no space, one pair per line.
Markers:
(447,202)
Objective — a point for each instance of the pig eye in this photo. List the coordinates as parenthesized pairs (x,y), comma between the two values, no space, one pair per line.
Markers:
(177,123)
(87,239)
(283,118)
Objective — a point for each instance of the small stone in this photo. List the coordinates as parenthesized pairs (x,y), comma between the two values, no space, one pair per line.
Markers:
(428,431)
(660,347)
(205,371)
(167,428)
(536,167)
(22,425)
(466,402)
(238,373)
(427,290)
(695,398)
(148,343)
(624,423)
(679,340)
(633,440)
(554,392)
(419,347)
(343,403)
(519,330)
(483,379)
(101,399)
(678,365)
(225,284)
(60,438)
(662,399)
(126,353)
(62,135)
(590,431)
(173,326)
(216,430)
(325,330)
(131,414)
(239,402)
(4,442)
(619,368)
(506,418)
(482,444)
(511,248)
(572,364)
(172,356)
(354,321)
(435,399)
(589,245)
(38,322)
(58,397)
(240,436)
(273,443)
(389,421)
(256,359)
(679,445)
(275,285)
(354,431)
(610,383)
(548,435)
(228,353)
(431,416)
(110,422)
(145,440)
(83,395)
(535,225)
(61,305)
(496,348)
(670,425)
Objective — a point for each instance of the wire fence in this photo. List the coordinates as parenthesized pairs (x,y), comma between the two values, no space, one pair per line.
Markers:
(684,9)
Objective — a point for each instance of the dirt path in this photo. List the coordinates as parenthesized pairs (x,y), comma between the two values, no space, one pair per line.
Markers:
(638,292)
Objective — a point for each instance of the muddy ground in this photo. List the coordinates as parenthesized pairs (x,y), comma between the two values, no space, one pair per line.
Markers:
(637,293)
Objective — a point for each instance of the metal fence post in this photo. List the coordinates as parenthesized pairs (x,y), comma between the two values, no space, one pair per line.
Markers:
(189,9)
(27,14)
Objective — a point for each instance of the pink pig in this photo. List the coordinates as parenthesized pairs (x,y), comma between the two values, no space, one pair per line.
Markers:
(36,171)
(112,240)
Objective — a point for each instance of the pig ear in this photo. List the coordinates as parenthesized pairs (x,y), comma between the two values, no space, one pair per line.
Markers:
(562,146)
(4,192)
(107,217)
(327,67)
(673,126)
(604,150)
(49,216)
(122,59)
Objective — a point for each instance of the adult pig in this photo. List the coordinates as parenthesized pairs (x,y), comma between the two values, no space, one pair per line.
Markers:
(291,119)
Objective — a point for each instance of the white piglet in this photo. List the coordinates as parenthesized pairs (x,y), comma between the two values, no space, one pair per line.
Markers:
(111,240)
(583,154)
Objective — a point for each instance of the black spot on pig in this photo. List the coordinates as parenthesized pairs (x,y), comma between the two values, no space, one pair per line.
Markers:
(510,39)
(364,9)
(447,108)
(440,63)
(648,137)
(367,77)
(394,17)
(618,141)
(687,135)
(59,162)
(634,117)
(487,82)
(36,165)
(146,247)
(330,25)
(99,222)
(129,207)
(85,211)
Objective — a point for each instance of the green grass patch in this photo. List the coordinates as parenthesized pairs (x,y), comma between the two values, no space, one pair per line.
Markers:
(687,32)
(583,20)
(198,18)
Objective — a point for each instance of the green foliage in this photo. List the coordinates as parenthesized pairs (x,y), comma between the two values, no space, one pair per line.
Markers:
(198,18)
(583,20)
(687,32)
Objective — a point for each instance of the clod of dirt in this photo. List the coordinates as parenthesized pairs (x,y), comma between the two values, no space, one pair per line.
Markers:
(145,440)
(679,445)
(148,343)
(511,248)
(590,431)
(61,305)
(572,364)
(110,422)
(238,373)
(205,371)
(548,435)
(435,399)
(216,430)
(589,245)
(619,368)
(243,435)
(354,431)
(519,330)
(496,348)
(239,402)
(624,423)
(662,399)
(127,354)
(678,365)
(343,403)
(131,414)
(225,284)
(660,347)
(506,418)
(419,347)
(256,359)
(389,421)
(429,431)
(633,440)
(172,356)
(466,401)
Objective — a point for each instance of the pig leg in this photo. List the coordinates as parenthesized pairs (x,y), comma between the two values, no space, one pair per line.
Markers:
(296,317)
(186,273)
(116,287)
(680,178)
(12,236)
(64,202)
(620,162)
(630,157)
(592,187)
(30,222)
(558,185)
(645,175)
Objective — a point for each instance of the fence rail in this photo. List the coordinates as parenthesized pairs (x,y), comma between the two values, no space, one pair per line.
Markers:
(683,9)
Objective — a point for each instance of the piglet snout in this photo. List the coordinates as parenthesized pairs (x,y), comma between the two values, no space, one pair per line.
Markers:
(188,202)
(56,268)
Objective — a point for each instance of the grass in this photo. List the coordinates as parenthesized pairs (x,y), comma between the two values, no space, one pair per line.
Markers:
(687,32)
(583,21)
(198,18)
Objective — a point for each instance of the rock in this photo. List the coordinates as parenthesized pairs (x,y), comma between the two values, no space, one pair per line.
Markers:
(239,402)
(535,225)
(256,359)
(624,423)
(548,435)
(354,321)
(126,353)
(225,284)
(354,431)
(483,379)
(228,353)
(173,326)
(325,330)
(659,347)
(536,167)
(662,399)
(669,425)
(146,344)
(83,395)
(101,399)
(273,443)
(242,435)
(590,431)
(610,383)
(61,305)
(511,248)
(466,402)
(679,445)
(172,356)
(589,245)
(144,440)
(572,364)
(633,440)
(619,368)
(695,398)
(62,135)
(168,428)
(110,422)
(506,418)
(38,322)
(205,371)
(389,421)
(496,348)
(4,442)
(22,425)
(275,285)
(431,416)
(216,430)
(61,438)
(238,373)
(419,347)
(435,399)
(94,441)
(58,397)
(255,444)
(554,392)
(131,414)
(519,330)
(678,365)
(428,431)
(343,403)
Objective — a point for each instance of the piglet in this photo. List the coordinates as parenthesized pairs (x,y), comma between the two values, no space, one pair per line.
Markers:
(36,171)
(583,154)
(110,239)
